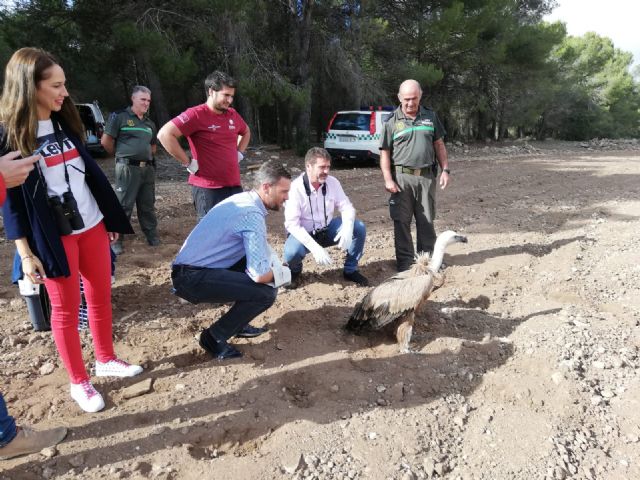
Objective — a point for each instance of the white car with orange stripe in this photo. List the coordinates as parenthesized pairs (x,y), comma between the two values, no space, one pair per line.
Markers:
(355,134)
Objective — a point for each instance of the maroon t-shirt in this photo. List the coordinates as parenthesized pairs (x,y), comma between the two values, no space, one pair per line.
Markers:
(213,139)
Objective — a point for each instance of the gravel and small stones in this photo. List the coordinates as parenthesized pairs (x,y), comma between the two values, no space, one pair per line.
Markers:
(326,465)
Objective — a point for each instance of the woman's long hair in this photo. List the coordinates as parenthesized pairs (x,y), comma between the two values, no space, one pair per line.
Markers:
(18,104)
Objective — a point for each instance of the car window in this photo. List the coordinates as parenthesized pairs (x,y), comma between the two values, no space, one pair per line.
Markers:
(351,121)
(86,115)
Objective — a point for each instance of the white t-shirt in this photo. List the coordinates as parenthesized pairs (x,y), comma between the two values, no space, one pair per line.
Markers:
(52,167)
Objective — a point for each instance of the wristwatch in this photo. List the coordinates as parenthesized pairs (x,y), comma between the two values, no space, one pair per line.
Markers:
(447,171)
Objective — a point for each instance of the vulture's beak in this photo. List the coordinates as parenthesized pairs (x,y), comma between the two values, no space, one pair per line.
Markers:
(461,238)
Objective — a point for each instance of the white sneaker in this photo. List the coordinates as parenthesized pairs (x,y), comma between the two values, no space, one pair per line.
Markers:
(87,397)
(117,368)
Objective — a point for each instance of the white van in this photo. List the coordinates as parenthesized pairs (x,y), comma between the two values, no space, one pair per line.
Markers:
(355,134)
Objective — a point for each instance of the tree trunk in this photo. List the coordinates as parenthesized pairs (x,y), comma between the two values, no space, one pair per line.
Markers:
(235,40)
(481,125)
(302,15)
(157,95)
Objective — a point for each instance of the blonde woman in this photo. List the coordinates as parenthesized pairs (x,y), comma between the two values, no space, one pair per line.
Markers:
(64,215)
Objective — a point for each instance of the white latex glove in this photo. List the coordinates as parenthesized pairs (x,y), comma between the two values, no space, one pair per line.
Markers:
(344,236)
(281,272)
(281,275)
(320,254)
(240,156)
(193,166)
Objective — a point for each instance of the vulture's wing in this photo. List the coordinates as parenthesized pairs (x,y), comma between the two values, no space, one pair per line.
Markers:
(389,301)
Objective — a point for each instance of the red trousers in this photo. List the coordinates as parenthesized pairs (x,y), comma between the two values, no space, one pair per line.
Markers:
(88,255)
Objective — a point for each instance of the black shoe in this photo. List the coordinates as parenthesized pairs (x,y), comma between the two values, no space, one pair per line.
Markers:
(295,281)
(219,350)
(356,277)
(153,242)
(250,332)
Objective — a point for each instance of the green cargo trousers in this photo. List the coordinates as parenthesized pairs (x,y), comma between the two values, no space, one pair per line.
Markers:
(417,198)
(136,185)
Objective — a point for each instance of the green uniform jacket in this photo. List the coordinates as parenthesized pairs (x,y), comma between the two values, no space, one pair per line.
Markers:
(410,141)
(133,137)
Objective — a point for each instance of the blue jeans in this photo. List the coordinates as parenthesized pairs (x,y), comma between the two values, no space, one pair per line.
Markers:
(7,424)
(220,285)
(294,251)
(204,199)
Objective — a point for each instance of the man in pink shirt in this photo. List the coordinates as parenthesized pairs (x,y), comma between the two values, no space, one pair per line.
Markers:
(309,220)
(218,137)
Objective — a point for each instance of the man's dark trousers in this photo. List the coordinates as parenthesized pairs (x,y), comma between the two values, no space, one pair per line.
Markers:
(7,424)
(136,185)
(219,285)
(204,199)
(416,198)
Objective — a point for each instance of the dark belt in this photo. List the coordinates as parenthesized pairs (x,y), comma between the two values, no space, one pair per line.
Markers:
(411,171)
(182,268)
(136,163)
(240,266)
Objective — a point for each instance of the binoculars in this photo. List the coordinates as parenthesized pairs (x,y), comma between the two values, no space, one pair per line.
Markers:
(66,213)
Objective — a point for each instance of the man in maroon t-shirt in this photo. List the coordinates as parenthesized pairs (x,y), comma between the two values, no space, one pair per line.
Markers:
(218,137)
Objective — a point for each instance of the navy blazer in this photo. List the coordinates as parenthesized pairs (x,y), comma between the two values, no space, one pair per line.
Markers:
(27,214)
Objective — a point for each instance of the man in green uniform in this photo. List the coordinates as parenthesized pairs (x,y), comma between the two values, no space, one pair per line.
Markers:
(412,143)
(131,135)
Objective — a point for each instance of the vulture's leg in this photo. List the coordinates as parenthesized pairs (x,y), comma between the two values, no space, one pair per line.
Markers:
(403,333)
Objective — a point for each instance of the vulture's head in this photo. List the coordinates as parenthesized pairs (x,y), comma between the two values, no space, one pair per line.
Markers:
(444,239)
(449,237)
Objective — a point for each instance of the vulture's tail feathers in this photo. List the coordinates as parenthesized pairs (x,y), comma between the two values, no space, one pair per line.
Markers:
(365,318)
(358,319)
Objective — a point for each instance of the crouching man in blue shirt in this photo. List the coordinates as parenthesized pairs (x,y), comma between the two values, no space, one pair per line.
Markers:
(226,258)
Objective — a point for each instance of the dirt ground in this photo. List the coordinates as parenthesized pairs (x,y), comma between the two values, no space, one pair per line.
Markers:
(525,367)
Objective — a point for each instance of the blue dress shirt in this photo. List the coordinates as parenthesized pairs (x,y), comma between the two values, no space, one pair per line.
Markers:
(231,230)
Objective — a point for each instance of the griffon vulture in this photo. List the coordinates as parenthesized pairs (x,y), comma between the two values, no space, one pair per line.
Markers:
(398,298)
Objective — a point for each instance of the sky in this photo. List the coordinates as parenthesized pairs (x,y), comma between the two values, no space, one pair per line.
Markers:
(617,19)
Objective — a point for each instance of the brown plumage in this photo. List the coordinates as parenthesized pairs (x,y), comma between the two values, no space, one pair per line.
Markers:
(398,298)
